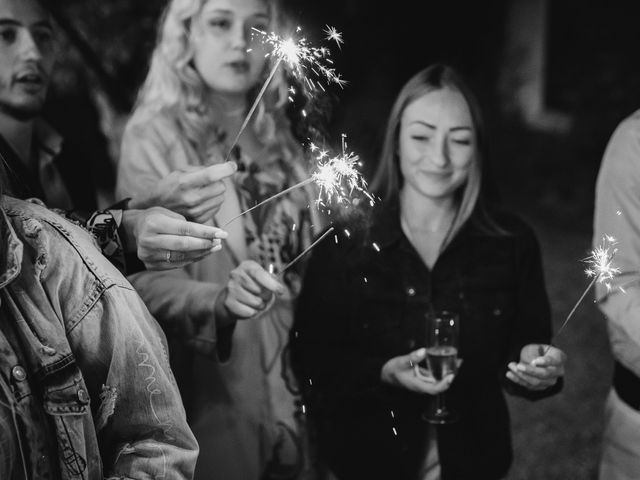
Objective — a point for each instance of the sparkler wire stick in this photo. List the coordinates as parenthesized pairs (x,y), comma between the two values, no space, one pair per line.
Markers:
(304,252)
(273,197)
(601,268)
(575,307)
(253,108)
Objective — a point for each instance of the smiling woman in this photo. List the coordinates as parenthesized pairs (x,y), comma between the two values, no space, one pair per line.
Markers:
(364,312)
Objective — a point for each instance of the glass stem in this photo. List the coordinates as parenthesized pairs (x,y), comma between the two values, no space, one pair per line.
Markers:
(440,407)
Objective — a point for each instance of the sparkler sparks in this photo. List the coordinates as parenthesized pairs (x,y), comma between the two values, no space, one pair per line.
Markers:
(600,269)
(333,34)
(600,262)
(337,178)
(304,59)
(301,59)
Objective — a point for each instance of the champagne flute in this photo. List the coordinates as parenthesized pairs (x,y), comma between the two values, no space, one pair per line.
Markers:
(442,360)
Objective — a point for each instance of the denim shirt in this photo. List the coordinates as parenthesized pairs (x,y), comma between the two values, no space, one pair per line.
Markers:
(364,301)
(92,352)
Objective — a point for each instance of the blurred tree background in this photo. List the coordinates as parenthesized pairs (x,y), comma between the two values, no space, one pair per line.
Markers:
(554,79)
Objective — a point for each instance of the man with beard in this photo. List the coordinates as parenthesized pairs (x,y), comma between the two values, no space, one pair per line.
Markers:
(41,164)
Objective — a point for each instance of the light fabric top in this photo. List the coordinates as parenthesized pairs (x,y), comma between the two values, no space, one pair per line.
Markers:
(247,409)
(617,214)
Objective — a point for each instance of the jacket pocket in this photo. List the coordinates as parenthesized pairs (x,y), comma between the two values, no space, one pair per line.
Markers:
(66,400)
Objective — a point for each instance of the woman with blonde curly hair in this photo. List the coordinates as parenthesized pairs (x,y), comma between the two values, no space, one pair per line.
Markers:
(227,317)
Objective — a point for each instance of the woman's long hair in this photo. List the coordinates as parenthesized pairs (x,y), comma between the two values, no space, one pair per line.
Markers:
(387,181)
(173,85)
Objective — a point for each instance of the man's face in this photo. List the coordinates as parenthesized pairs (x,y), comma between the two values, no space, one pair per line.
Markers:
(27,56)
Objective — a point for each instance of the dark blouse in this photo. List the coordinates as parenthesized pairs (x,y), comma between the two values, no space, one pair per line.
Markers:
(362,304)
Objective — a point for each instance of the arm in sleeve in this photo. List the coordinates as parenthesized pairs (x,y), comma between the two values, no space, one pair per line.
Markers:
(617,214)
(186,307)
(533,313)
(179,303)
(329,365)
(140,423)
(145,158)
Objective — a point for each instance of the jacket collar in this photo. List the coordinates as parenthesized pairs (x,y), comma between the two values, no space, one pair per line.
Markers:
(49,141)
(385,229)
(10,250)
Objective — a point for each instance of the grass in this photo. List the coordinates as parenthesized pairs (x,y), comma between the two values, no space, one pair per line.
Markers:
(559,438)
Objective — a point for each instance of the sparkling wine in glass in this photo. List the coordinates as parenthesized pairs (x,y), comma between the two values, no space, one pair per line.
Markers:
(442,360)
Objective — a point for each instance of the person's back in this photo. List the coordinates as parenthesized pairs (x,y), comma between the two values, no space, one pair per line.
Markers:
(85,386)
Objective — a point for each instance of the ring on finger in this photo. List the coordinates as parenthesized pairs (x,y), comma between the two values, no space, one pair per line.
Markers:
(168,256)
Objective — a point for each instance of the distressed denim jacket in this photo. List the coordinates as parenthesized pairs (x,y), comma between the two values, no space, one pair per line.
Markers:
(93,353)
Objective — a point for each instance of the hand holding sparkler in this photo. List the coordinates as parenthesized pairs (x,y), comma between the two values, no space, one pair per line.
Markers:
(247,293)
(535,371)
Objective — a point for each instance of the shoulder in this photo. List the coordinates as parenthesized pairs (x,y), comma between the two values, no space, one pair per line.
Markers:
(160,126)
(358,235)
(624,145)
(630,126)
(59,247)
(510,221)
(508,228)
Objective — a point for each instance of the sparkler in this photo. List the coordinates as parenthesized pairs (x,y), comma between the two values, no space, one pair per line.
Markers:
(600,268)
(304,252)
(301,58)
(336,177)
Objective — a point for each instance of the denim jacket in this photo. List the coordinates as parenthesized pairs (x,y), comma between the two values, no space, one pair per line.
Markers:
(93,353)
(364,301)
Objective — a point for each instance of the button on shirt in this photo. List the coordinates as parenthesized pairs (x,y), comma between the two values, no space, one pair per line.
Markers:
(23,422)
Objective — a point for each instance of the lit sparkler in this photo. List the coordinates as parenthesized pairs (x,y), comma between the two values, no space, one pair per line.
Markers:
(336,177)
(301,59)
(600,268)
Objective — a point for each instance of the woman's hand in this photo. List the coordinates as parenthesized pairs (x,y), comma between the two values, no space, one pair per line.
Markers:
(196,193)
(166,240)
(539,368)
(248,292)
(404,372)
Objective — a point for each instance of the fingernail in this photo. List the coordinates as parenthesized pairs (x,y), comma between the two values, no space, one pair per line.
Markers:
(216,248)
(521,367)
(421,351)
(221,234)
(234,166)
